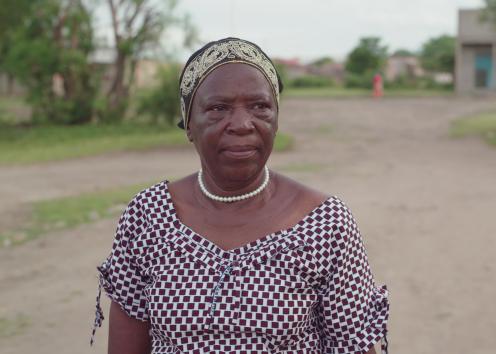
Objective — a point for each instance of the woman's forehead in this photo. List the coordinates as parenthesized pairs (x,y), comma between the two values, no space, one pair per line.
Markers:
(234,79)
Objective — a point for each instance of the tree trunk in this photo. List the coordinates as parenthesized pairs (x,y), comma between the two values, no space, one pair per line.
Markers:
(118,92)
(10,84)
(117,86)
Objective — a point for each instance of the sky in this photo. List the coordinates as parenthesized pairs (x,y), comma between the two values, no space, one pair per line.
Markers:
(309,29)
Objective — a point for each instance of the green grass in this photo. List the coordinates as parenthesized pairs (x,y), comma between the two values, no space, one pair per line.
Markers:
(341,92)
(20,145)
(325,92)
(13,326)
(283,142)
(483,125)
(68,212)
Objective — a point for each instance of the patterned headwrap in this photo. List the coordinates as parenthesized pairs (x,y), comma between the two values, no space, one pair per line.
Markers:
(215,54)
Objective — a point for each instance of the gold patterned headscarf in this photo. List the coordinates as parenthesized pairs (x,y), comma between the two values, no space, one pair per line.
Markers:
(215,54)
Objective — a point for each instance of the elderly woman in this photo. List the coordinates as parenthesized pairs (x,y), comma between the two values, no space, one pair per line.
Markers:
(237,258)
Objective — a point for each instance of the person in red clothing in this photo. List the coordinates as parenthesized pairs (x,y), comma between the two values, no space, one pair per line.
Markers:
(378,86)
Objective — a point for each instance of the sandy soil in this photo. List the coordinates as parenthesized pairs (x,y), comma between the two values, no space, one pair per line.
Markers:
(425,204)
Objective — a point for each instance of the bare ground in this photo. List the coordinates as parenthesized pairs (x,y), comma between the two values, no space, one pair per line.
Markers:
(425,204)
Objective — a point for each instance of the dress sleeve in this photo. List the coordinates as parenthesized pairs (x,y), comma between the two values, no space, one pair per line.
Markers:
(354,311)
(118,275)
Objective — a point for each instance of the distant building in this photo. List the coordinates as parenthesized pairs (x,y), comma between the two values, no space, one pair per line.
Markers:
(102,59)
(475,53)
(399,66)
(10,86)
(333,71)
(293,67)
(145,74)
(146,71)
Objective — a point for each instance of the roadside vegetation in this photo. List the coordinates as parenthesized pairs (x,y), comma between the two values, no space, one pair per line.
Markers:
(482,125)
(13,326)
(21,145)
(343,92)
(68,212)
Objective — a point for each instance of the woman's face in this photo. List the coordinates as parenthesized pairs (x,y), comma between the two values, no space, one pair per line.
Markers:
(233,122)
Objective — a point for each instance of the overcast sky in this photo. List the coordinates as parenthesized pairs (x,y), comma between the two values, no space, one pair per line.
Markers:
(310,29)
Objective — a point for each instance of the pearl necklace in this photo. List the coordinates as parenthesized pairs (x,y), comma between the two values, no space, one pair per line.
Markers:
(234,198)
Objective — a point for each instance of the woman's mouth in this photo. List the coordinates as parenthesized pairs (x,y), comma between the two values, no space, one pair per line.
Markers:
(239,151)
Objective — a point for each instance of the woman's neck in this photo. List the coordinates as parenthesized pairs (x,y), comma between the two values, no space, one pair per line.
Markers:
(235,187)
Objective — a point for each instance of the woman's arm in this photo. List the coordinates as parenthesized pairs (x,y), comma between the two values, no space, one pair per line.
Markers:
(371,351)
(127,335)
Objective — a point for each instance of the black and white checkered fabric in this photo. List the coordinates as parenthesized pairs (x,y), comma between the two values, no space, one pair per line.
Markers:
(307,289)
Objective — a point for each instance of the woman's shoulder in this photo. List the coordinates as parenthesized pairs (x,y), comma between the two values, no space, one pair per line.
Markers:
(152,200)
(150,206)
(325,208)
(151,193)
(306,197)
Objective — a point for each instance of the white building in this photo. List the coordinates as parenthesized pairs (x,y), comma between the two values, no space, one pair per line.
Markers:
(475,53)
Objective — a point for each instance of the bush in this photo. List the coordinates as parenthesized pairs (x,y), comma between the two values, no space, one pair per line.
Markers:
(283,75)
(364,81)
(161,103)
(107,114)
(430,83)
(402,82)
(311,81)
(426,83)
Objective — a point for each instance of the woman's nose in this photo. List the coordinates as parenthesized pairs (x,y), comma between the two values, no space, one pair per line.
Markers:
(241,121)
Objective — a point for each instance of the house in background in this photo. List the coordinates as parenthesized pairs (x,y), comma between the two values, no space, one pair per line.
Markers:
(398,66)
(145,74)
(10,86)
(333,71)
(294,68)
(475,53)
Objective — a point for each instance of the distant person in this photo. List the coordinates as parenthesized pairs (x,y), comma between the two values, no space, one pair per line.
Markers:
(378,86)
(237,258)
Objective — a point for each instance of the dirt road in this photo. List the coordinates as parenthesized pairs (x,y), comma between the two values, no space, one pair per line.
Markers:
(425,203)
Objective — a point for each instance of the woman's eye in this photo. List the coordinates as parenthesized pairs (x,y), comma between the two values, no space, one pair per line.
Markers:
(217,108)
(260,105)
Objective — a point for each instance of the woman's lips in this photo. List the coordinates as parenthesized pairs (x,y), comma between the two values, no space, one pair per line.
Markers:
(239,152)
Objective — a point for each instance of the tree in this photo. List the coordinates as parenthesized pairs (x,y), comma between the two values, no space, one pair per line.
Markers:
(12,15)
(322,61)
(438,54)
(489,11)
(137,26)
(368,58)
(48,54)
(403,53)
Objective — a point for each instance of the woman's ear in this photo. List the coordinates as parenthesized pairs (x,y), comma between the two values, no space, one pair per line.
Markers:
(276,125)
(189,135)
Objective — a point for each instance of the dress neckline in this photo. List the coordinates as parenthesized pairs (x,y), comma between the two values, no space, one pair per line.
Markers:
(237,251)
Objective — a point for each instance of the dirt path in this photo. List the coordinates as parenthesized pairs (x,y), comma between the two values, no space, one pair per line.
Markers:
(424,202)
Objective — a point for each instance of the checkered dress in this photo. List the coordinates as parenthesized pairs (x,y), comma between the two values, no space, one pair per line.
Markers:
(307,289)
